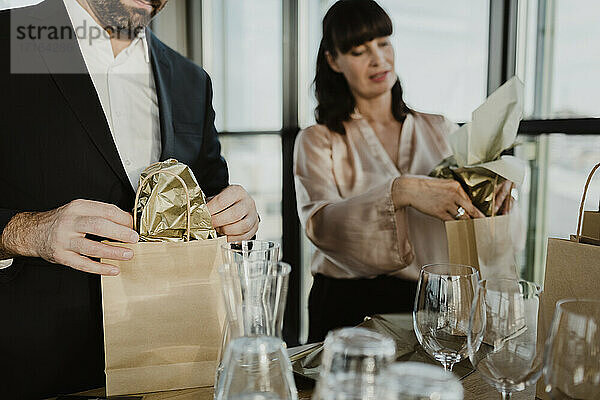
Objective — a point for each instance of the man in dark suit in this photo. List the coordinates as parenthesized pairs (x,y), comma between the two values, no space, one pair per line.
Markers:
(76,128)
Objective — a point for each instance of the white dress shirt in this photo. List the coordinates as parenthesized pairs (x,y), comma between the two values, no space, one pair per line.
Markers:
(127,92)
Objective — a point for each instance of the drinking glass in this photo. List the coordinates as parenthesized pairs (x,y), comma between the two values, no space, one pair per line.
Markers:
(255,294)
(352,360)
(250,250)
(257,368)
(572,358)
(502,336)
(442,307)
(418,381)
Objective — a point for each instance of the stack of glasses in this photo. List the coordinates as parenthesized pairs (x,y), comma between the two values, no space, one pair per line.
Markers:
(358,364)
(255,365)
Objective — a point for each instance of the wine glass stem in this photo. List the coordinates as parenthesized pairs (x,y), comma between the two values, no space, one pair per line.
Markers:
(505,395)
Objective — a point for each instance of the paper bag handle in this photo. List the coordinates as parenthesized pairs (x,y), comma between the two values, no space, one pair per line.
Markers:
(585,189)
(187,198)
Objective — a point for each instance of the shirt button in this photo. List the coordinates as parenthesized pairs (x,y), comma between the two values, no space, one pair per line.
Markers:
(127,162)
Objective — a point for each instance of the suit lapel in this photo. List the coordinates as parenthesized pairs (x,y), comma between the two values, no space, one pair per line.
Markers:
(161,67)
(77,87)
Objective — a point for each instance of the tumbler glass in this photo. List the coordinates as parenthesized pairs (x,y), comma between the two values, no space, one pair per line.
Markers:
(418,381)
(352,361)
(250,250)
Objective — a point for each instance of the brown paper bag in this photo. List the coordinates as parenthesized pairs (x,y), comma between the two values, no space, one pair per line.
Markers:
(163,314)
(484,243)
(163,318)
(572,271)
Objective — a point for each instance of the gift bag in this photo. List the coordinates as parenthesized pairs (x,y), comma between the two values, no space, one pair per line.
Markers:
(572,271)
(163,314)
(480,165)
(488,244)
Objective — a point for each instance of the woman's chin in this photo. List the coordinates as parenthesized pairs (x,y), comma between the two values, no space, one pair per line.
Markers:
(376,91)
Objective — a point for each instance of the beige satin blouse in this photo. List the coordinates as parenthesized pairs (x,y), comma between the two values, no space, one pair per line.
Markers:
(343,188)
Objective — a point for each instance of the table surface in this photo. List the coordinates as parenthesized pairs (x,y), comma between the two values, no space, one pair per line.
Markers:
(475,388)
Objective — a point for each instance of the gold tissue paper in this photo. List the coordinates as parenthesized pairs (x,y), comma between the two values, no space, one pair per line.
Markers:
(480,184)
(478,146)
(161,209)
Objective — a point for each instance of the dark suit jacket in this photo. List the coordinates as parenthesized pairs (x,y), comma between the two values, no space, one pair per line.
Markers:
(55,146)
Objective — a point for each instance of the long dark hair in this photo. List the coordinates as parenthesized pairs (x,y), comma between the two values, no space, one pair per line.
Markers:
(347,24)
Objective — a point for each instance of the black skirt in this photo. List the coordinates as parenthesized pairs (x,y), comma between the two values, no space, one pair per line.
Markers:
(334,303)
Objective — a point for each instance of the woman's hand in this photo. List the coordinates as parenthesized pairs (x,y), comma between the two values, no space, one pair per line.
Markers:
(440,198)
(504,200)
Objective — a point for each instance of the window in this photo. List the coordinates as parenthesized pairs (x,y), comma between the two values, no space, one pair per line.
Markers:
(242,52)
(255,162)
(559,59)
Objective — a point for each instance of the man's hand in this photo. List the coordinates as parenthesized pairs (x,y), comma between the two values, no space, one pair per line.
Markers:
(58,235)
(234,213)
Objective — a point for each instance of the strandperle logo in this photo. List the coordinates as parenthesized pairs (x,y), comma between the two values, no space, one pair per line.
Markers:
(82,32)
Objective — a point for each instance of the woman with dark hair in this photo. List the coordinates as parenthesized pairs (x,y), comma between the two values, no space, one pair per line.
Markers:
(363,194)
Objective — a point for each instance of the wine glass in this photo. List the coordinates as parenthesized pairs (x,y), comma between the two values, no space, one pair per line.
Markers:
(442,307)
(572,358)
(352,360)
(502,337)
(417,381)
(257,368)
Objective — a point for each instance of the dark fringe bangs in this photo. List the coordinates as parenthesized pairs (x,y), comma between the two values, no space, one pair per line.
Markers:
(362,22)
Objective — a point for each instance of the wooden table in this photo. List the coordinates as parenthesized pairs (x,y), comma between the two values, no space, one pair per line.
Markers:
(475,388)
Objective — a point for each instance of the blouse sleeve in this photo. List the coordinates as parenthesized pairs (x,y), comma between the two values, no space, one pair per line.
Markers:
(364,233)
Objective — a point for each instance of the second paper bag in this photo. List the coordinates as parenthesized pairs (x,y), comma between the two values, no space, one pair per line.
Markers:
(572,270)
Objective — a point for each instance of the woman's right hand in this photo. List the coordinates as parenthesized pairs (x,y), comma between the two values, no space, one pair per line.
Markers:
(439,198)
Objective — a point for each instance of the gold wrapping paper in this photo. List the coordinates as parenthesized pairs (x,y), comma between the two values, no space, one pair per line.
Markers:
(162,205)
(480,184)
